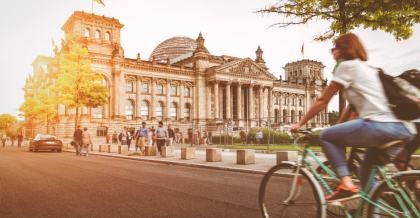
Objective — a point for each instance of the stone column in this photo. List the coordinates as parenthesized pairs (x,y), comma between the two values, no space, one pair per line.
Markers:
(216,99)
(168,99)
(289,112)
(239,101)
(261,96)
(221,105)
(228,103)
(208,96)
(115,92)
(138,98)
(153,101)
(181,102)
(251,102)
(270,104)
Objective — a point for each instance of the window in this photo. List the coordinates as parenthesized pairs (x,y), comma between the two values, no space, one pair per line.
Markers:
(300,102)
(97,34)
(293,101)
(145,87)
(286,100)
(187,111)
(174,90)
(129,109)
(159,110)
(300,115)
(87,32)
(144,110)
(187,92)
(293,116)
(159,89)
(130,86)
(173,111)
(98,112)
(107,36)
(284,116)
(101,131)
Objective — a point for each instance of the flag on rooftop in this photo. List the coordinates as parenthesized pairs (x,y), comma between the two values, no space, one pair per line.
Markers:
(100,2)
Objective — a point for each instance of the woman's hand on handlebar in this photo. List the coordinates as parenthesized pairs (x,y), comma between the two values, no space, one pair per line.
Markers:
(295,127)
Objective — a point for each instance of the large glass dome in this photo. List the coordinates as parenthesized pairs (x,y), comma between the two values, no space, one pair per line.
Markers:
(173,48)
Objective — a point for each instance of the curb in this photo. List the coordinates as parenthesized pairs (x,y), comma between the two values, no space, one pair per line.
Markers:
(258,172)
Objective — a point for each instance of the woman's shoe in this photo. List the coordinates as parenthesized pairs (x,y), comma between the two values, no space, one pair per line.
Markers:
(342,193)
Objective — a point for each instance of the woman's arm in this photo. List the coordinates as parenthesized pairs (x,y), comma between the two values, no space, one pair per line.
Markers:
(319,104)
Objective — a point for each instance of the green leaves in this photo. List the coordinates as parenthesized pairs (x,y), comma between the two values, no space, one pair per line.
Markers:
(392,16)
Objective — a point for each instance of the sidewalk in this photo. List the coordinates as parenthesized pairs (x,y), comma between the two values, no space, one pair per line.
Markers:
(263,162)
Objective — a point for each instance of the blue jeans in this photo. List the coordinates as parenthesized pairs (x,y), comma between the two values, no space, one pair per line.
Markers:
(361,133)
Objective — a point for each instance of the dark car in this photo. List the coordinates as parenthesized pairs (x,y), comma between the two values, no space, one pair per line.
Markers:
(44,142)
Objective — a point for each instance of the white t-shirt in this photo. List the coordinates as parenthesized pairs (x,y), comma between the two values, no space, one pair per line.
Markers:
(363,89)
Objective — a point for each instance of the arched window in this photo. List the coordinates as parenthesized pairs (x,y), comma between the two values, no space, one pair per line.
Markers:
(107,36)
(300,102)
(130,86)
(97,34)
(300,115)
(87,32)
(187,92)
(173,111)
(144,110)
(276,115)
(129,109)
(159,110)
(285,100)
(284,116)
(187,111)
(293,116)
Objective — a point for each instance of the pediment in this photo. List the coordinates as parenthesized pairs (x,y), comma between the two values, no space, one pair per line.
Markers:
(246,68)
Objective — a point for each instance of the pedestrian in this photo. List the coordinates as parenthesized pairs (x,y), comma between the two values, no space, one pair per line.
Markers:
(177,136)
(259,136)
(171,134)
(107,137)
(161,137)
(375,126)
(150,136)
(115,137)
(242,136)
(129,137)
(12,138)
(209,138)
(86,142)
(141,137)
(3,139)
(204,138)
(78,139)
(20,140)
(122,137)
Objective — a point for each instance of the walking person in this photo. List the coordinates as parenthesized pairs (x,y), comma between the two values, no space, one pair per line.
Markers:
(161,137)
(129,137)
(20,140)
(3,140)
(122,137)
(259,136)
(78,140)
(141,137)
(150,137)
(375,126)
(171,134)
(107,137)
(86,142)
(115,137)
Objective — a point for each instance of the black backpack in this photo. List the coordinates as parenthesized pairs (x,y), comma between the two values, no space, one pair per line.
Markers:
(402,93)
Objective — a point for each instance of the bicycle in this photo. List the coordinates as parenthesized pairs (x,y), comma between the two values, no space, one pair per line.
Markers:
(295,189)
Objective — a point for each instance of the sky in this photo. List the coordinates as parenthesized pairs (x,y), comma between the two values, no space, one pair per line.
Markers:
(230,27)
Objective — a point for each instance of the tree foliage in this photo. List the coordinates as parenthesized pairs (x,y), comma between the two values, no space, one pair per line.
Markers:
(393,16)
(6,120)
(333,117)
(77,84)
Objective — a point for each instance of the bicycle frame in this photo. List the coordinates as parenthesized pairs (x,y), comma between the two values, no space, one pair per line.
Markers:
(402,198)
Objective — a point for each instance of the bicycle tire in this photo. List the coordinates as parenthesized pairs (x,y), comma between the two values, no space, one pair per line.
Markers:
(275,184)
(409,181)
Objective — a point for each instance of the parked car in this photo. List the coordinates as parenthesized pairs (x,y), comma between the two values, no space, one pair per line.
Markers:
(43,142)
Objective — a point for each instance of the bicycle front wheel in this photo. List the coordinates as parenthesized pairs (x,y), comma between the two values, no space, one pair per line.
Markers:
(401,202)
(287,193)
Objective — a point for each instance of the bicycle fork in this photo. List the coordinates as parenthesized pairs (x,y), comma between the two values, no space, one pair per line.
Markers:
(295,189)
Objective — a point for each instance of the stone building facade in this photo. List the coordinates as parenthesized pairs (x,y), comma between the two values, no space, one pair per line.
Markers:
(183,84)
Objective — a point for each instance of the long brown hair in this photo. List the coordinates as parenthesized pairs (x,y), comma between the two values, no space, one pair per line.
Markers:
(350,47)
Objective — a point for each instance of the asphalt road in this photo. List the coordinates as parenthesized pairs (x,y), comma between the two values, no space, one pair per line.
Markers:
(65,185)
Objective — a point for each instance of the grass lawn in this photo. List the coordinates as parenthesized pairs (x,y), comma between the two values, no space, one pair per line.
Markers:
(285,147)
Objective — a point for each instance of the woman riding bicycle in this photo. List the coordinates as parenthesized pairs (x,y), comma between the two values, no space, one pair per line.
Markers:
(376,124)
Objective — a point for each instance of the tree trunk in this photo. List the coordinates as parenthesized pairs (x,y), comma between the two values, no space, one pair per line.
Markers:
(76,120)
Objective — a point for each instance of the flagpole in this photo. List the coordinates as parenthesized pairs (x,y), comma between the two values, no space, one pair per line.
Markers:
(92,6)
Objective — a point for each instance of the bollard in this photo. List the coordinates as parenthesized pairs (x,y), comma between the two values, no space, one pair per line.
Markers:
(122,149)
(103,148)
(187,153)
(245,156)
(167,151)
(150,151)
(286,156)
(213,154)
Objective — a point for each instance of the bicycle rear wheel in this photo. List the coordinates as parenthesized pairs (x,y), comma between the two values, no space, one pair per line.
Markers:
(278,197)
(386,197)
